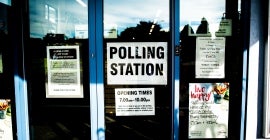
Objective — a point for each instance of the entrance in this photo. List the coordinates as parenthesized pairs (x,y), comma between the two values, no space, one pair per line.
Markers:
(134,69)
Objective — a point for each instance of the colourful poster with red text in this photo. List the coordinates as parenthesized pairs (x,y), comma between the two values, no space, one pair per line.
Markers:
(208,110)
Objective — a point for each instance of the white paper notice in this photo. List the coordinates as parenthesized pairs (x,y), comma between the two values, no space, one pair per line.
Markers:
(63,71)
(137,63)
(210,57)
(225,28)
(134,101)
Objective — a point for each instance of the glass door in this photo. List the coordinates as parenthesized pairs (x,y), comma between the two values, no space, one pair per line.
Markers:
(137,61)
(7,96)
(58,70)
(211,53)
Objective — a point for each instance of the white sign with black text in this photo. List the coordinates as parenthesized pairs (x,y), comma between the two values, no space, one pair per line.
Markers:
(210,57)
(63,72)
(225,28)
(137,63)
(134,101)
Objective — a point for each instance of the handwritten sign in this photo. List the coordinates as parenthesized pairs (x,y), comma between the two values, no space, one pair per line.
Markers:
(208,110)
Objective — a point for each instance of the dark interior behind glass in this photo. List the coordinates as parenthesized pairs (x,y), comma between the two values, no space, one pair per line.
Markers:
(56,23)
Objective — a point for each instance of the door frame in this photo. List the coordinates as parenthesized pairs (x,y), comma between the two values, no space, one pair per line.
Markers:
(95,25)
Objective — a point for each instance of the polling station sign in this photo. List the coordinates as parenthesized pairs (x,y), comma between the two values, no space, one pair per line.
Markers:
(137,63)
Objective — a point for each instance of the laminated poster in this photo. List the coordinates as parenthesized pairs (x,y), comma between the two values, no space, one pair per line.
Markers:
(137,63)
(5,120)
(208,110)
(63,72)
(210,57)
(134,101)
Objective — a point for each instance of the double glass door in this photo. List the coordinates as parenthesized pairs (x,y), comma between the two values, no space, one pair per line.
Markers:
(163,69)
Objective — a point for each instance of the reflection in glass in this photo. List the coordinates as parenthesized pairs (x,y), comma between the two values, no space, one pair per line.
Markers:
(7,2)
(62,17)
(197,18)
(62,25)
(210,53)
(195,12)
(124,15)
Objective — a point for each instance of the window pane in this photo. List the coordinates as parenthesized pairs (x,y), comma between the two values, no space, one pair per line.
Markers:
(57,66)
(210,69)
(61,17)
(137,88)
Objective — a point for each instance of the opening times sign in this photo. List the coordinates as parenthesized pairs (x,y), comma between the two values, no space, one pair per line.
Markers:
(208,110)
(134,101)
(137,63)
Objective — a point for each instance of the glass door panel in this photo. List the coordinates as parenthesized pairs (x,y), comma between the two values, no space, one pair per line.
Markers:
(210,69)
(138,99)
(7,96)
(58,70)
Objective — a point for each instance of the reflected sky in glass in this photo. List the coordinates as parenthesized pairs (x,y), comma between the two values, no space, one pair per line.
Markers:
(192,11)
(121,14)
(128,13)
(67,14)
(7,2)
